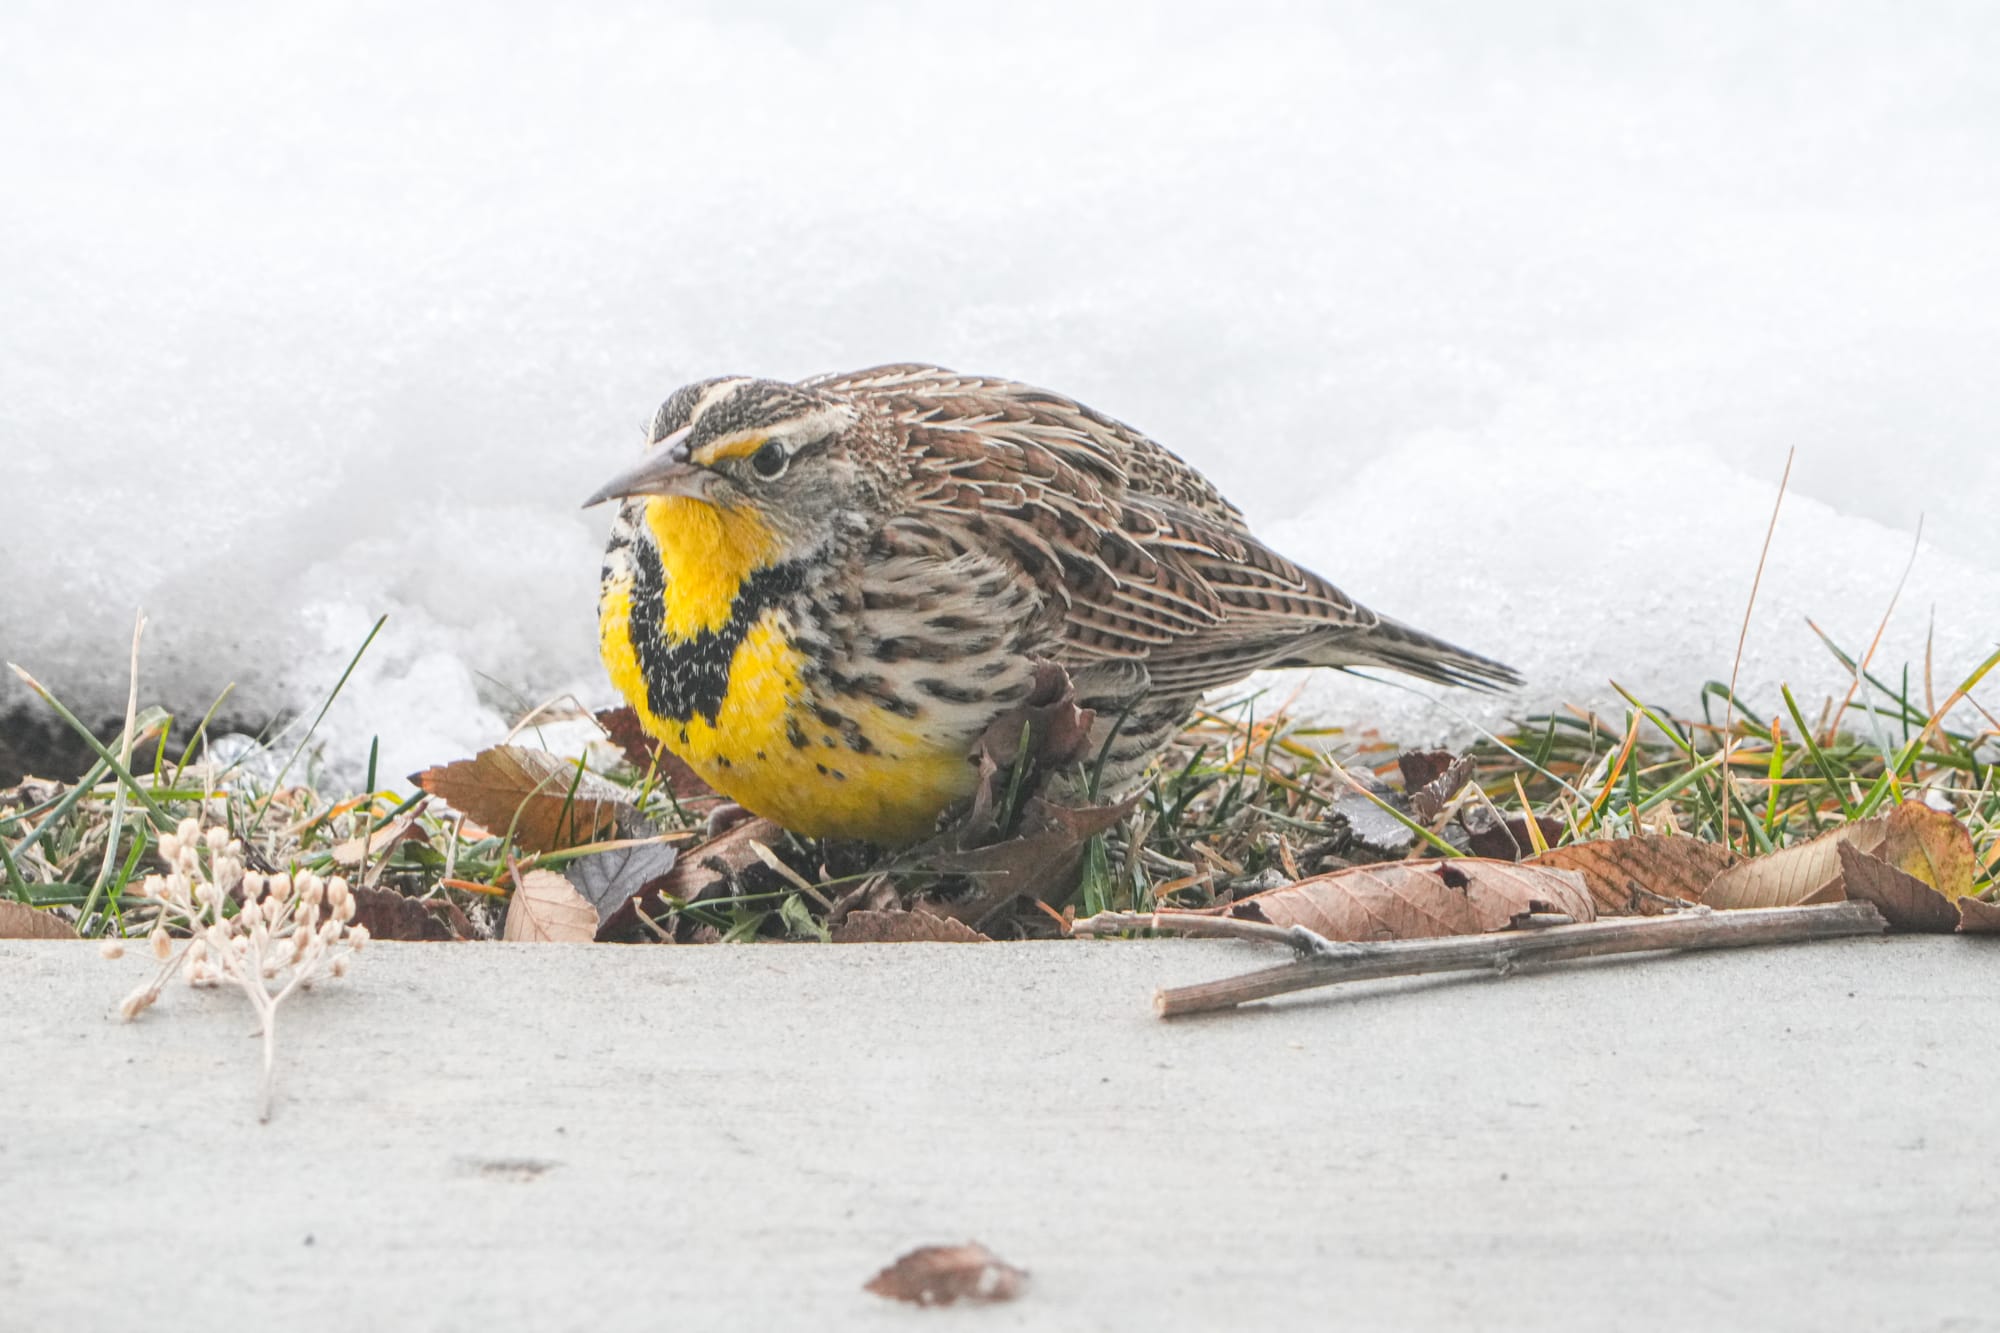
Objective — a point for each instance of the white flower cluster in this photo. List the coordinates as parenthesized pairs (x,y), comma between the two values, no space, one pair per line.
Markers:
(288,929)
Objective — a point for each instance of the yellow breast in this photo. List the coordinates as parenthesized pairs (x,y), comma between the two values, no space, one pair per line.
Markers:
(695,643)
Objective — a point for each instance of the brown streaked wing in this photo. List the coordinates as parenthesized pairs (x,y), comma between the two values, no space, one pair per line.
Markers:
(1096,445)
(1148,560)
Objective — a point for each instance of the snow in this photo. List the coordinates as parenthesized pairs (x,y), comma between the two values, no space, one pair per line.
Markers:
(1505,318)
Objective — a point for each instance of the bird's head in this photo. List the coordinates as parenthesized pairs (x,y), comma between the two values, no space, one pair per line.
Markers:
(790,463)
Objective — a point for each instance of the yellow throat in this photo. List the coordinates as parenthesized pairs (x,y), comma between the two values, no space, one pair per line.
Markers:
(701,644)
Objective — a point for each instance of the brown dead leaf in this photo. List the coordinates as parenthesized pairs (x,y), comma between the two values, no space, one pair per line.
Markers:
(1640,876)
(1906,902)
(389,915)
(1040,862)
(1505,837)
(1044,733)
(1932,846)
(904,928)
(642,750)
(18,921)
(1420,768)
(1406,900)
(941,1274)
(622,727)
(1795,876)
(547,909)
(1428,799)
(1977,916)
(1058,732)
(557,805)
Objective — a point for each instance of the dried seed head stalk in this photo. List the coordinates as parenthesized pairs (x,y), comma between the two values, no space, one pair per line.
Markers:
(287,930)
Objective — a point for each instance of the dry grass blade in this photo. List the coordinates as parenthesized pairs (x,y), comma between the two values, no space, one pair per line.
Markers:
(1743,636)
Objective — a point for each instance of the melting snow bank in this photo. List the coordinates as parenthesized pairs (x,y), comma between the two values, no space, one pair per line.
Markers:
(1578,570)
(1574,571)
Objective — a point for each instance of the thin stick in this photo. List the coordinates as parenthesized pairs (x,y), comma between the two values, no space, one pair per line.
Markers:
(1198,924)
(1330,963)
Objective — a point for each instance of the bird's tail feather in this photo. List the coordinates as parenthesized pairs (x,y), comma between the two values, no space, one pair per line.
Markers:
(1389,643)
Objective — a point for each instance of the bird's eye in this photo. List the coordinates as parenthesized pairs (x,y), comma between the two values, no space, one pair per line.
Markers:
(769,462)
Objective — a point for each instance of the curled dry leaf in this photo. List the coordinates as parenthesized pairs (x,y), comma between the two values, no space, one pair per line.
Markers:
(1506,838)
(643,751)
(18,921)
(1640,876)
(942,1274)
(1406,900)
(1976,916)
(548,802)
(905,928)
(1428,799)
(1057,731)
(1040,862)
(1795,876)
(1420,768)
(1926,844)
(1905,901)
(547,909)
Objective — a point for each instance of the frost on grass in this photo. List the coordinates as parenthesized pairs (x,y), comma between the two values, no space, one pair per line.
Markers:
(289,930)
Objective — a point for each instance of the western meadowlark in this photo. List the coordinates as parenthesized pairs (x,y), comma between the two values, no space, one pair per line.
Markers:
(820,594)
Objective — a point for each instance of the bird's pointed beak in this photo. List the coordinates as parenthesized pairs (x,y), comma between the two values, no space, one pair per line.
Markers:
(663,471)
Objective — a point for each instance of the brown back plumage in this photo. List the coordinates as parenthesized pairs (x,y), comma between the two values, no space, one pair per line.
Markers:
(1146,559)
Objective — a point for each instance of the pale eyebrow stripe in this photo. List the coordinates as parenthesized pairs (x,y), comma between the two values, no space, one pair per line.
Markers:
(736,446)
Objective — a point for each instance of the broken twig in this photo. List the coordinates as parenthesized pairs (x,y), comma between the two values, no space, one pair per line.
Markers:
(1325,962)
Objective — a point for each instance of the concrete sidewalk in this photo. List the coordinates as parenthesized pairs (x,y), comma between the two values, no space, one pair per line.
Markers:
(486,1137)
